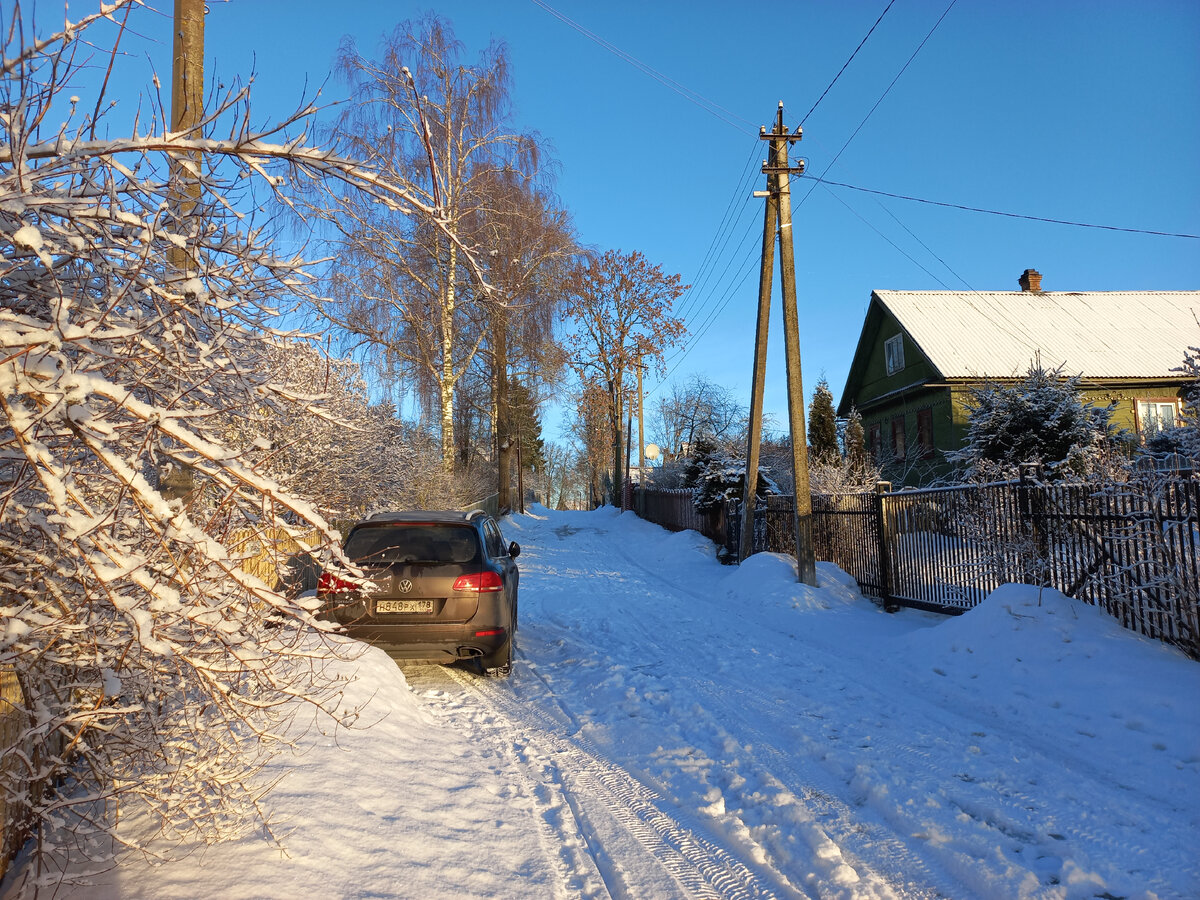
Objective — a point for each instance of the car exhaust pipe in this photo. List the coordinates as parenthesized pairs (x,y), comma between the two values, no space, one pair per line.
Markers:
(468,652)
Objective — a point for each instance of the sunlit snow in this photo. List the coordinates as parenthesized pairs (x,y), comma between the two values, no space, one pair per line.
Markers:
(676,728)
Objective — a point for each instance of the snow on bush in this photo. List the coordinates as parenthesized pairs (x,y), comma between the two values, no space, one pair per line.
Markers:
(714,475)
(1040,419)
(155,673)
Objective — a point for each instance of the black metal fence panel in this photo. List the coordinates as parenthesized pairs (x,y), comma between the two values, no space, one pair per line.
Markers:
(1133,550)
(845,531)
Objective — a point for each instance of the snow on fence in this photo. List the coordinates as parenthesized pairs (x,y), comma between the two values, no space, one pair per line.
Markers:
(1132,549)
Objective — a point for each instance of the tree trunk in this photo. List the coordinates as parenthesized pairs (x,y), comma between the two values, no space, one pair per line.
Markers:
(503,425)
(447,375)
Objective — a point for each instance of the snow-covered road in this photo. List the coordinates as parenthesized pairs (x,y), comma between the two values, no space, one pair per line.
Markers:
(675,729)
(701,731)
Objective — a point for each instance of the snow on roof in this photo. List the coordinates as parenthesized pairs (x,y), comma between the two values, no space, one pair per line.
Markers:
(1097,334)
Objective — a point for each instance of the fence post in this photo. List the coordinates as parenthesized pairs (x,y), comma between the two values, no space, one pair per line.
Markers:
(883,537)
(1030,503)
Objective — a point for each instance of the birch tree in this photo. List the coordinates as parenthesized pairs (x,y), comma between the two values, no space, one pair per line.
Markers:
(157,676)
(531,246)
(400,287)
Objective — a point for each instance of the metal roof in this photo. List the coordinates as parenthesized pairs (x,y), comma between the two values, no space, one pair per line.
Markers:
(1096,334)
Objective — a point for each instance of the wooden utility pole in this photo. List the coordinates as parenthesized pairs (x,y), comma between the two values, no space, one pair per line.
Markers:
(187,109)
(641,425)
(614,394)
(777,222)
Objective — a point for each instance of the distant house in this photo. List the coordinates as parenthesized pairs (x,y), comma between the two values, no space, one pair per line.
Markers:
(921,351)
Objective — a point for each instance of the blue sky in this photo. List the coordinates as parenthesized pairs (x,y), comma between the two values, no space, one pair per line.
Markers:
(1064,109)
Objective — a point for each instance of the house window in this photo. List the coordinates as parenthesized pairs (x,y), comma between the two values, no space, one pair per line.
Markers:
(893,351)
(1155,415)
(876,442)
(925,432)
(898,438)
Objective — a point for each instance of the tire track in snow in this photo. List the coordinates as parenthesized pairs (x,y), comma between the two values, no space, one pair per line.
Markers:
(844,831)
(837,861)
(598,790)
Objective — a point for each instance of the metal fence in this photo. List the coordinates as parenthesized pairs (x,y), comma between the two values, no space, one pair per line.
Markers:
(674,510)
(1133,550)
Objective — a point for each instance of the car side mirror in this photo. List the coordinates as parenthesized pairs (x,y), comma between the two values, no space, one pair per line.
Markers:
(514,549)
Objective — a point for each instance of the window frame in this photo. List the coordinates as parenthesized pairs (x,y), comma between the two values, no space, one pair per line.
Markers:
(925,433)
(899,447)
(875,441)
(893,354)
(1157,403)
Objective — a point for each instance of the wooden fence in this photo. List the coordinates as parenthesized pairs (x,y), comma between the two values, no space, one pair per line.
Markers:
(13,830)
(1133,549)
(674,510)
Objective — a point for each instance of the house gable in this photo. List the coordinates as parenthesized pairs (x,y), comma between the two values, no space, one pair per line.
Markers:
(871,379)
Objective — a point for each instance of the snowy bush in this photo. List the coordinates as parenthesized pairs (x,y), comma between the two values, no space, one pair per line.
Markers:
(714,475)
(1041,419)
(156,674)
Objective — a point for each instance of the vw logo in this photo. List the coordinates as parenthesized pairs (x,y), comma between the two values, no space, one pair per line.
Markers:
(404,586)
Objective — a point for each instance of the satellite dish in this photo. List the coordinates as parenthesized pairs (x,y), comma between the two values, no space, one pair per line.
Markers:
(652,451)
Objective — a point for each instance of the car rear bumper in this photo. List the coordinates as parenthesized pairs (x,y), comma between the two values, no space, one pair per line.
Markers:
(433,643)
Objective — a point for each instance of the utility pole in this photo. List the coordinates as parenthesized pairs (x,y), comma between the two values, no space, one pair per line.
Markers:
(777,223)
(641,425)
(187,109)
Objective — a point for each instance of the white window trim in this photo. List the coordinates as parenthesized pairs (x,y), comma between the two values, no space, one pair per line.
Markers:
(1144,423)
(893,354)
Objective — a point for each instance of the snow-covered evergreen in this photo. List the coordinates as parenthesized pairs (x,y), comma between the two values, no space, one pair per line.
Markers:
(1040,419)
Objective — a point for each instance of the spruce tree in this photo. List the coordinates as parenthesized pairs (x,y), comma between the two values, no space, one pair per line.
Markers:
(855,439)
(822,427)
(1040,419)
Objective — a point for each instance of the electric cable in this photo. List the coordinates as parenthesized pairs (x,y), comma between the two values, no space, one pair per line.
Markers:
(996,212)
(903,69)
(714,109)
(847,62)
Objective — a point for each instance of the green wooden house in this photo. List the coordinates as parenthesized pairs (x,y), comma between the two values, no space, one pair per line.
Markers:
(920,352)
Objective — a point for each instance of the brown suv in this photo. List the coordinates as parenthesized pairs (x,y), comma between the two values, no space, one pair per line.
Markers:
(442,587)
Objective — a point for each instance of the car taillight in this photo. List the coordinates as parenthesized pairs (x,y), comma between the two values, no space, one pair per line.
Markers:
(481,582)
(329,583)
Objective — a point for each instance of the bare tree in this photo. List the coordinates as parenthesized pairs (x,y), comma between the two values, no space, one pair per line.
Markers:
(154,671)
(620,308)
(530,245)
(698,409)
(400,285)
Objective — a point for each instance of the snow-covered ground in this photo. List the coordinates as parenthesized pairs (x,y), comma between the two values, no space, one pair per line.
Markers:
(674,728)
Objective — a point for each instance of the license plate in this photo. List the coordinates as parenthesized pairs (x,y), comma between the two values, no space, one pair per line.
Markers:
(404,606)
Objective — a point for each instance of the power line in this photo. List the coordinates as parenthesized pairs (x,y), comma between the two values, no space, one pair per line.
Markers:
(903,69)
(928,249)
(720,237)
(996,212)
(714,109)
(847,62)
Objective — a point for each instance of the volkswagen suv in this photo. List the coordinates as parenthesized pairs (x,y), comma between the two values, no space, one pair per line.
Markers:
(439,587)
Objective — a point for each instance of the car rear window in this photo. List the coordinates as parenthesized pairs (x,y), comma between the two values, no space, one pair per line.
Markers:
(412,544)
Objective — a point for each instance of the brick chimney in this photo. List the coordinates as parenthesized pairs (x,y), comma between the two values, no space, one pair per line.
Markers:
(1031,280)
